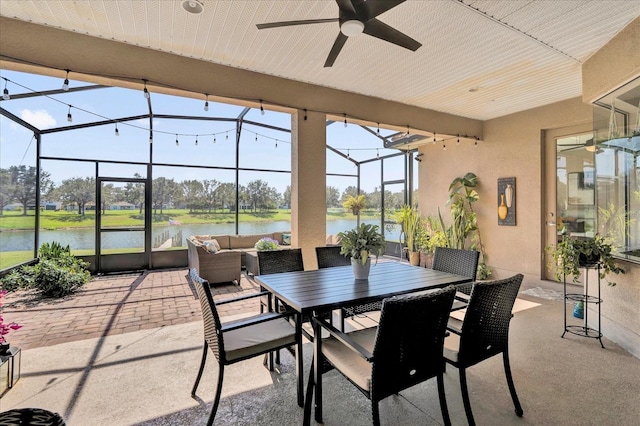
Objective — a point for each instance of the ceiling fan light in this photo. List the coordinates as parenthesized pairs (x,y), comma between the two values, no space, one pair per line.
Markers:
(352,27)
(193,6)
(591,148)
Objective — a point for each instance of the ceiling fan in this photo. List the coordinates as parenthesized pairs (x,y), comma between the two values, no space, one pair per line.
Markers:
(355,17)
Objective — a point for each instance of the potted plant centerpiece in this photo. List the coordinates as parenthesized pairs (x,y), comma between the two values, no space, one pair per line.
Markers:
(572,254)
(361,243)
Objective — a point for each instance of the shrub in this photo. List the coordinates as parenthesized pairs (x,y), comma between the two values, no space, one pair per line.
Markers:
(57,274)
(267,244)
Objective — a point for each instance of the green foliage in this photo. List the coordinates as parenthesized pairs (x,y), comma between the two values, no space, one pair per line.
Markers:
(57,274)
(571,254)
(267,244)
(412,226)
(361,242)
(464,233)
(355,203)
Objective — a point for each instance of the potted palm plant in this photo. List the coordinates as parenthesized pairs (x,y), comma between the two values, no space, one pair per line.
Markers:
(572,254)
(361,243)
(412,229)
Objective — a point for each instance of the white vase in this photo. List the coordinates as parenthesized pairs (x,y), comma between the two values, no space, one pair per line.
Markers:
(360,271)
(508,195)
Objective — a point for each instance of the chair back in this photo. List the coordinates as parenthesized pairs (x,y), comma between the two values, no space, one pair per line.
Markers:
(485,329)
(329,256)
(210,318)
(456,261)
(409,342)
(272,262)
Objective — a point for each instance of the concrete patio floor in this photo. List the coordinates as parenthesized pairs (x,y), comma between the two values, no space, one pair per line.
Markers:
(125,351)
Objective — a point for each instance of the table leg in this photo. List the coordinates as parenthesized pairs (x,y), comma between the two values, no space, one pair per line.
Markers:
(317,365)
(299,369)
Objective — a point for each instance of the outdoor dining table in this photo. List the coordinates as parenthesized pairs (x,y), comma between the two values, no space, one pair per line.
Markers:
(315,292)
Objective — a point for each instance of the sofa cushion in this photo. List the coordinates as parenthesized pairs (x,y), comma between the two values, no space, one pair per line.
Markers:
(245,241)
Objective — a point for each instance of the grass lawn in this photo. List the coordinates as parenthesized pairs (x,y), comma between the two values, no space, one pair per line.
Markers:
(54,220)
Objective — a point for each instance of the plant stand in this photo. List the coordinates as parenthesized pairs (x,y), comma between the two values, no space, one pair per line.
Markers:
(584,330)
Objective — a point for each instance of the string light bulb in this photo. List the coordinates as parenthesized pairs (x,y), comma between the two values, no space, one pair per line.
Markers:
(444,147)
(345,120)
(378,131)
(261,108)
(348,154)
(305,115)
(206,102)
(458,139)
(117,132)
(475,143)
(408,130)
(145,91)
(196,140)
(150,137)
(177,142)
(276,143)
(377,154)
(256,137)
(214,138)
(5,92)
(227,137)
(69,117)
(65,85)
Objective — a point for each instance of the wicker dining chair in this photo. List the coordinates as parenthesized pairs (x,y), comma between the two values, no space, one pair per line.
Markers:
(460,262)
(242,339)
(329,256)
(404,350)
(484,333)
(275,261)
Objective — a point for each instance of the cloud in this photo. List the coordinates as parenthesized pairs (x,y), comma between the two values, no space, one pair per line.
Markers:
(40,119)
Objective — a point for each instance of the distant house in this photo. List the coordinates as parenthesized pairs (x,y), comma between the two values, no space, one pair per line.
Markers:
(122,205)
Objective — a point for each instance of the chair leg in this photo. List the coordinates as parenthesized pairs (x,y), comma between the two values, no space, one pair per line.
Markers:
(204,360)
(216,401)
(512,387)
(443,400)
(308,398)
(375,411)
(465,396)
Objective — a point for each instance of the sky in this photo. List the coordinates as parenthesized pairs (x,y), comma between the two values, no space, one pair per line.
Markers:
(260,147)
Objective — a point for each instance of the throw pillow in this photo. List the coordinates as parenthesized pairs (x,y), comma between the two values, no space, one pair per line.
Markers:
(286,239)
(211,246)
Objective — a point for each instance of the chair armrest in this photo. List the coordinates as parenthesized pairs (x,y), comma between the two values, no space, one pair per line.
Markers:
(266,317)
(239,298)
(345,339)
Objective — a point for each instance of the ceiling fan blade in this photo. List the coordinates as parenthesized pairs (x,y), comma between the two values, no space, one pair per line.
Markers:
(292,23)
(337,47)
(378,7)
(346,5)
(383,31)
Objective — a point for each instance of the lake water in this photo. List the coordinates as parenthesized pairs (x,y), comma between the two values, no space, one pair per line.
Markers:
(84,239)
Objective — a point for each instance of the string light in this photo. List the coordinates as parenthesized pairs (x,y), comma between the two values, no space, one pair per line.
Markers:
(377,153)
(444,147)
(458,139)
(378,131)
(227,137)
(345,120)
(476,142)
(348,154)
(117,132)
(65,85)
(206,102)
(434,138)
(145,91)
(177,142)
(214,138)
(256,137)
(196,140)
(276,143)
(150,137)
(305,115)
(261,108)
(408,130)
(69,117)
(5,92)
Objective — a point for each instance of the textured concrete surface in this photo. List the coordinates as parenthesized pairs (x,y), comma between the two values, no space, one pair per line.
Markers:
(144,377)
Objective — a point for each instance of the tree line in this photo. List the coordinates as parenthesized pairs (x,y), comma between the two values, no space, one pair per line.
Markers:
(18,185)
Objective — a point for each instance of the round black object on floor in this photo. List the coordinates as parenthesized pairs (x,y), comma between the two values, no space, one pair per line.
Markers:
(30,416)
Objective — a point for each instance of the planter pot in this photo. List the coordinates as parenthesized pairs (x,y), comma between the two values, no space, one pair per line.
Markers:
(426,260)
(414,258)
(578,310)
(360,271)
(584,260)
(4,347)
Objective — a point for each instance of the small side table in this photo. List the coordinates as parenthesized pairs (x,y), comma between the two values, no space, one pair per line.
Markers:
(584,330)
(9,369)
